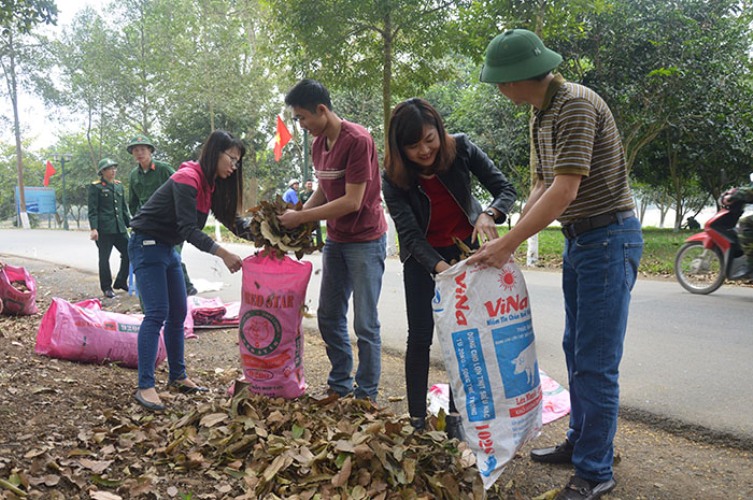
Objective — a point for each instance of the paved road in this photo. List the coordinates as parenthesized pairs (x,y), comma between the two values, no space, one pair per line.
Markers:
(687,357)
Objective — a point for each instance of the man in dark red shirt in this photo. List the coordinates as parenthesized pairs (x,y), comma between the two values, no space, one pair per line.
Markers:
(348,197)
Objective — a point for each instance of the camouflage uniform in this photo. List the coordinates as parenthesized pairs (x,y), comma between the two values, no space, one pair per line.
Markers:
(745,194)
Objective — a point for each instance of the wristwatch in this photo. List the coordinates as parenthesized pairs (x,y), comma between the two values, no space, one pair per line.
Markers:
(490,213)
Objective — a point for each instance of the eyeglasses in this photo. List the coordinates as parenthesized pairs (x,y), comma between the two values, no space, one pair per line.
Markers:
(236,161)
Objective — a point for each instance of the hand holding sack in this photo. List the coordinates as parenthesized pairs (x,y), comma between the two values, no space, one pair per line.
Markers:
(483,321)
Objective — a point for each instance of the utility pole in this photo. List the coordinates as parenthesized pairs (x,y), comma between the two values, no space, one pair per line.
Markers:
(63,157)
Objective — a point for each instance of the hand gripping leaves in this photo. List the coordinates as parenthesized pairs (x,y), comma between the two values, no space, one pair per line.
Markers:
(267,232)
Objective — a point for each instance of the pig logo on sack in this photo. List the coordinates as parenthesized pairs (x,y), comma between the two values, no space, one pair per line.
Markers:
(526,362)
(516,358)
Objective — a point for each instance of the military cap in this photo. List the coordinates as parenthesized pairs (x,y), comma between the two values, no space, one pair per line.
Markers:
(517,55)
(140,140)
(105,163)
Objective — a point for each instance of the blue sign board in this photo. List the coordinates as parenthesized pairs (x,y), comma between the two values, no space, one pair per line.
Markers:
(39,200)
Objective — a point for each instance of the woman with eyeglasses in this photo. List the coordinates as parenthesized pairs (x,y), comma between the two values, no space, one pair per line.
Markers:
(427,189)
(176,213)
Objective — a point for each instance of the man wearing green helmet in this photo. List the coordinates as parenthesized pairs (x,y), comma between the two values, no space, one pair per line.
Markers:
(581,182)
(108,223)
(144,181)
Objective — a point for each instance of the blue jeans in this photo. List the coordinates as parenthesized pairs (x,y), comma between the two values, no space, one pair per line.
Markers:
(357,269)
(599,271)
(163,294)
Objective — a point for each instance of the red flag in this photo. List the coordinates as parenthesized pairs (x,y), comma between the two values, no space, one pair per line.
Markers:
(48,172)
(282,137)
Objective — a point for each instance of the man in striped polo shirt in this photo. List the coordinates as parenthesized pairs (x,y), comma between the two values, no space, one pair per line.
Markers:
(582,182)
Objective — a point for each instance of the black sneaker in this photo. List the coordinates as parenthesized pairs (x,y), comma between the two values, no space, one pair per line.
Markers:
(191,290)
(120,286)
(109,294)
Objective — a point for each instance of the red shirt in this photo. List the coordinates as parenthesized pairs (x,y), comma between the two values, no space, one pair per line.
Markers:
(447,218)
(352,160)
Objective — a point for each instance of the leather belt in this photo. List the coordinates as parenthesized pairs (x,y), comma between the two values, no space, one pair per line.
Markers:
(581,226)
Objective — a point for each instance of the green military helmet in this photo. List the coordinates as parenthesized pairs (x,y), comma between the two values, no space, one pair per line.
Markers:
(105,163)
(517,55)
(140,140)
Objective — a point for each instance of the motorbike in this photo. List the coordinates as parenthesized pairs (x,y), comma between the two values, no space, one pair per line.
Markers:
(708,258)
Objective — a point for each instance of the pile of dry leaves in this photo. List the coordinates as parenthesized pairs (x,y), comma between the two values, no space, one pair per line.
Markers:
(267,232)
(252,447)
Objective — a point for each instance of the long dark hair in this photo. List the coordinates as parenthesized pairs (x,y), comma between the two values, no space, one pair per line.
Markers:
(227,199)
(407,127)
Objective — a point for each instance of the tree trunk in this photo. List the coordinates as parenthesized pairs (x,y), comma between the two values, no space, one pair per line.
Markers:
(13,90)
(387,76)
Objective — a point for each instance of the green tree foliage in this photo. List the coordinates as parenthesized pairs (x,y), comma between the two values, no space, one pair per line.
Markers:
(674,75)
(22,15)
(17,53)
(87,59)
(390,47)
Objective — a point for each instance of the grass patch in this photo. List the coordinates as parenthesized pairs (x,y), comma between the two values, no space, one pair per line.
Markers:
(659,249)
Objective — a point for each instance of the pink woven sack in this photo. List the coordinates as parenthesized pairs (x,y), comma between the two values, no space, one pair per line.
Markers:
(21,302)
(271,339)
(84,332)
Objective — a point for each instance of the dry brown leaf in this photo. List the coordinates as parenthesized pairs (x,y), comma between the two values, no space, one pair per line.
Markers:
(341,478)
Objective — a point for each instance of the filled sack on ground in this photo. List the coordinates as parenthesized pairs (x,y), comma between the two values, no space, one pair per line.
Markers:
(85,333)
(483,321)
(270,334)
(18,291)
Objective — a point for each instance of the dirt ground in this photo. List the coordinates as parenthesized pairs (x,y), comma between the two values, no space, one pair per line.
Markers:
(49,407)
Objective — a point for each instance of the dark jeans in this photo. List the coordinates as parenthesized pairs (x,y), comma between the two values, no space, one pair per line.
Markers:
(105,242)
(163,290)
(419,292)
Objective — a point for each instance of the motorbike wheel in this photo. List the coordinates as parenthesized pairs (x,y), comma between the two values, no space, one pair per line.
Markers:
(699,270)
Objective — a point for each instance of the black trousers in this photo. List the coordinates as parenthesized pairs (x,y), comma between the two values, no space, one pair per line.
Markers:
(105,242)
(419,292)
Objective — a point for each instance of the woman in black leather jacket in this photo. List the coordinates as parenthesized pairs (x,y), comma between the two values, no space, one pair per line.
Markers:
(427,189)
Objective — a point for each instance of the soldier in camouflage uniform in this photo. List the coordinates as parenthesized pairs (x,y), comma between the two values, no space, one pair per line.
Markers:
(108,220)
(144,181)
(743,194)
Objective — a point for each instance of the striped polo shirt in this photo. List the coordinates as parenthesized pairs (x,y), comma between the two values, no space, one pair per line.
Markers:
(575,133)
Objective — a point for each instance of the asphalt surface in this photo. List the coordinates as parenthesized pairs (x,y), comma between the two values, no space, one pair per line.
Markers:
(687,357)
